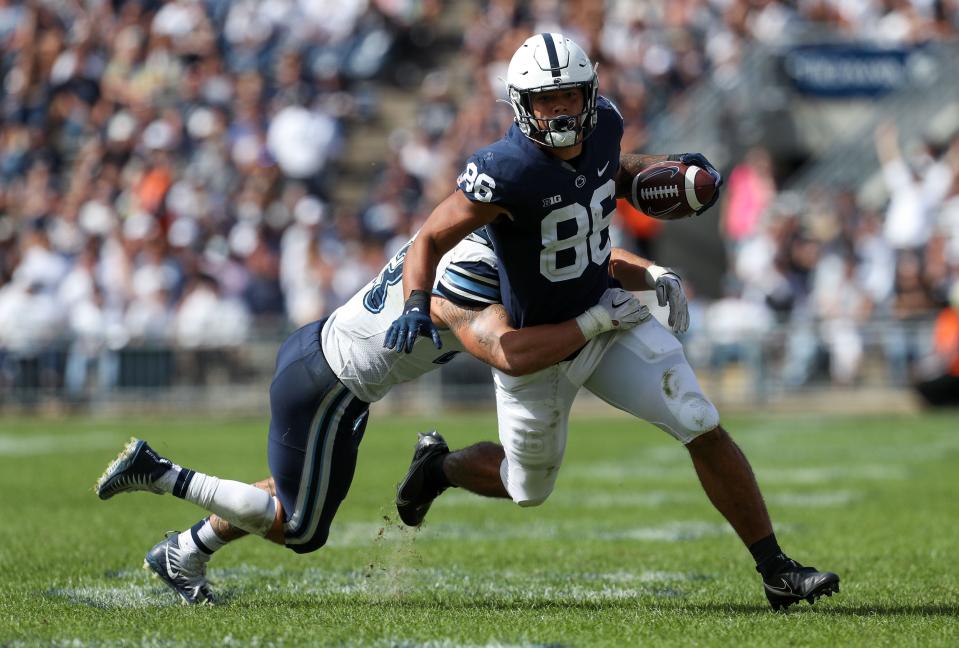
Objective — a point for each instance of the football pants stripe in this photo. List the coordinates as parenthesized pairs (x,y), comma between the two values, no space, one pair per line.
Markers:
(318,503)
(316,445)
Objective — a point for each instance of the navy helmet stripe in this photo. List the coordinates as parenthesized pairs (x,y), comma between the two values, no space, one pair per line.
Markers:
(551,52)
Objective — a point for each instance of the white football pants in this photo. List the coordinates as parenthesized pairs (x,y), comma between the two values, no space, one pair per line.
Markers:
(642,371)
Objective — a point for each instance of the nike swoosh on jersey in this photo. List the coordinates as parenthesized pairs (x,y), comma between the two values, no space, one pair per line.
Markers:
(600,172)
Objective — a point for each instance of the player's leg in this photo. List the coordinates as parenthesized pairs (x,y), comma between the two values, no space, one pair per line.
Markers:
(315,430)
(728,480)
(434,469)
(533,415)
(533,419)
(139,468)
(476,468)
(214,532)
(650,356)
(181,559)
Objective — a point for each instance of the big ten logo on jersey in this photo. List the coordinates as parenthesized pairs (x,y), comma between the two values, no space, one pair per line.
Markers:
(476,183)
(574,235)
(375,298)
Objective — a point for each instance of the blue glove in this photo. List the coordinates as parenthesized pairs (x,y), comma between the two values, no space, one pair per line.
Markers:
(414,321)
(698,159)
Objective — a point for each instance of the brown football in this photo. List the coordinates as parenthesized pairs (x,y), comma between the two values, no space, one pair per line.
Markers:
(672,190)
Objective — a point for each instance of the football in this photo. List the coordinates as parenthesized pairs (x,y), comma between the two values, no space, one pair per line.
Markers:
(672,190)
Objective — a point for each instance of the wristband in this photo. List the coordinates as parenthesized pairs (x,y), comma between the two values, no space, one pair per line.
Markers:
(594,321)
(654,272)
(419,300)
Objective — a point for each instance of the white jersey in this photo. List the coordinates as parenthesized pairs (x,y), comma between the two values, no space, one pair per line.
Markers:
(353,336)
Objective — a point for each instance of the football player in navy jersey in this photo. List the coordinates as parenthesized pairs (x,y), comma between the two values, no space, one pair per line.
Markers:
(327,375)
(545,193)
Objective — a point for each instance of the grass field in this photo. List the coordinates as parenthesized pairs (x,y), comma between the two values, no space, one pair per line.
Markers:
(626,552)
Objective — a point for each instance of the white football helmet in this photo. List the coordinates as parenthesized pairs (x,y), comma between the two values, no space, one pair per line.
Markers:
(552,62)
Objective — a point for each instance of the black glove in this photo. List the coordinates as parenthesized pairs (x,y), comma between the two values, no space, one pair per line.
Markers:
(414,321)
(698,159)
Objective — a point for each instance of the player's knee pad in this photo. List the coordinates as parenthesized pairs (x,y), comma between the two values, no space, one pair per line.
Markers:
(692,412)
(696,414)
(527,486)
(526,503)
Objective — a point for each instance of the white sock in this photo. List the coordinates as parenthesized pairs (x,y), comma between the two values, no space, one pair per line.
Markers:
(188,544)
(207,537)
(242,505)
(168,481)
(201,537)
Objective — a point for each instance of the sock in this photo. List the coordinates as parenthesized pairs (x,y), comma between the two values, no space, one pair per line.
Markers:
(434,472)
(168,481)
(242,505)
(187,543)
(768,555)
(204,537)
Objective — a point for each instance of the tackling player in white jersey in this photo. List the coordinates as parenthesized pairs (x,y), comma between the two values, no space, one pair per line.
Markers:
(327,374)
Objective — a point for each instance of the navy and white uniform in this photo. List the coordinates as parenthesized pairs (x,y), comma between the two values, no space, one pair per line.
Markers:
(554,250)
(328,373)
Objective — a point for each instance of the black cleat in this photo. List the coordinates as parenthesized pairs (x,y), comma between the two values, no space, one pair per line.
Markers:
(414,495)
(137,468)
(794,583)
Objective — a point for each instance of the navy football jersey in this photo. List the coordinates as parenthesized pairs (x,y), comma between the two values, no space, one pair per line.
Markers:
(554,251)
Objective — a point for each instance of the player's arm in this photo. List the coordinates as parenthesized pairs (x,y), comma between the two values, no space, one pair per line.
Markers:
(637,273)
(631,270)
(446,226)
(630,166)
(486,332)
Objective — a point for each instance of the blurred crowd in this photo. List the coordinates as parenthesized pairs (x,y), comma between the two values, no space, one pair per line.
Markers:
(838,277)
(167,168)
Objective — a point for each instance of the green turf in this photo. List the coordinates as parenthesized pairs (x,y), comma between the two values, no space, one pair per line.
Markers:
(627,551)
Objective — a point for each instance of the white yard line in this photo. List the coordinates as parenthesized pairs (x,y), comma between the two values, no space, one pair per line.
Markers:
(43,444)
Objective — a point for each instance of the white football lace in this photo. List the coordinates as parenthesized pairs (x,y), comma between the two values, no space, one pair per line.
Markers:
(651,193)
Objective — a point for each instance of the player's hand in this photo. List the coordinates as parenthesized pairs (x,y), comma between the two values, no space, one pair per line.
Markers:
(415,321)
(698,159)
(617,310)
(669,290)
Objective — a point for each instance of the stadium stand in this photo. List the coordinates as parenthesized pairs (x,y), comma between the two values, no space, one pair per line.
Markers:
(183,181)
